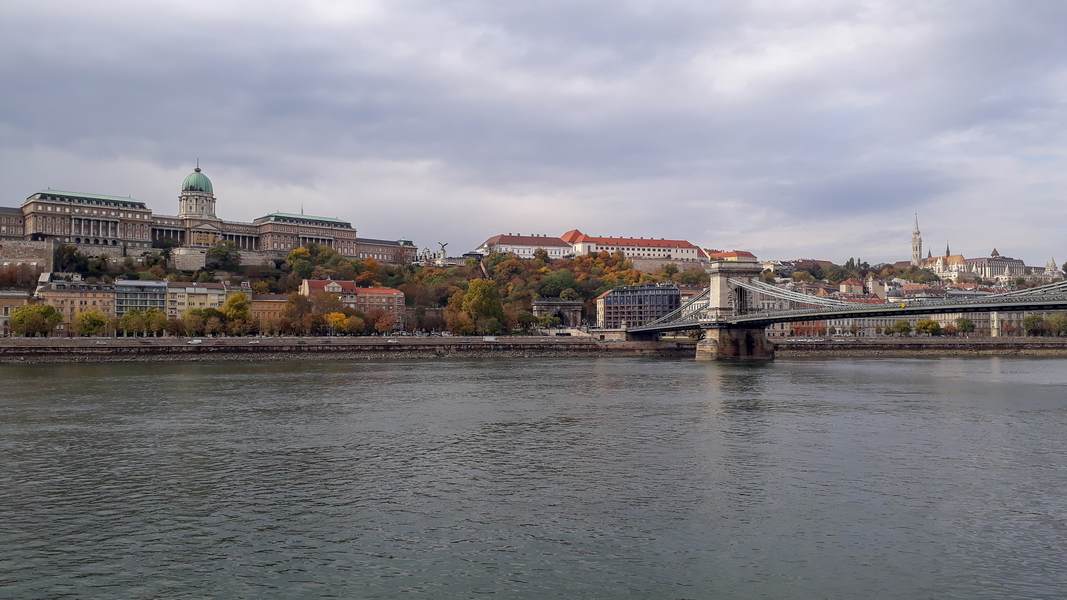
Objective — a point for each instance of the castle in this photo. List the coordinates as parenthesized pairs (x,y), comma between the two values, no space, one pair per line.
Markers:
(122,226)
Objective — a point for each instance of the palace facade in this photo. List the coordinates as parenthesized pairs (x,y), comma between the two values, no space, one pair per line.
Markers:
(124,226)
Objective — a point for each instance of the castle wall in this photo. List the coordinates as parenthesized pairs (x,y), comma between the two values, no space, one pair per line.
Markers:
(21,252)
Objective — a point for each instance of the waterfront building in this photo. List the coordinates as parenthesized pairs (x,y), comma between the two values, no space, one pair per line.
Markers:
(268,310)
(639,247)
(364,300)
(70,295)
(140,296)
(633,305)
(524,246)
(101,224)
(9,301)
(183,296)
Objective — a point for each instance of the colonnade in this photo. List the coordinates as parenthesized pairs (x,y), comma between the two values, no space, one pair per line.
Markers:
(94,227)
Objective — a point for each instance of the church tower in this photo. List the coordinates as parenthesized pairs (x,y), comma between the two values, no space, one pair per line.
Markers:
(916,244)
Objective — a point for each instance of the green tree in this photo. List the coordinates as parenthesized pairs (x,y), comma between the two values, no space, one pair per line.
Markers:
(482,301)
(34,320)
(1057,324)
(901,328)
(1035,325)
(965,326)
(928,327)
(90,323)
(553,284)
(132,322)
(223,256)
(155,321)
(569,294)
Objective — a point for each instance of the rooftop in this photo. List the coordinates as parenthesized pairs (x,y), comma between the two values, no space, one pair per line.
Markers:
(537,241)
(282,215)
(120,199)
(385,242)
(575,236)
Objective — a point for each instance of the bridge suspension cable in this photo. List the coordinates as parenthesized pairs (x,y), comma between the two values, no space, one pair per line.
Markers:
(1049,288)
(694,307)
(789,295)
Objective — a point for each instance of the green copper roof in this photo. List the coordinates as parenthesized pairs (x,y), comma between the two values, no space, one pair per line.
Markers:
(197,182)
(123,200)
(282,215)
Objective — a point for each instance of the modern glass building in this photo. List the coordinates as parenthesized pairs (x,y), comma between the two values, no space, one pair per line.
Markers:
(140,295)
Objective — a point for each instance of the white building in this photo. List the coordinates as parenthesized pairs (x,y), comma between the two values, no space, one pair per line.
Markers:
(524,246)
(653,248)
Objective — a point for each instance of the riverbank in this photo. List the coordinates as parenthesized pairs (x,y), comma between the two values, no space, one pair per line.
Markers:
(921,347)
(24,350)
(74,350)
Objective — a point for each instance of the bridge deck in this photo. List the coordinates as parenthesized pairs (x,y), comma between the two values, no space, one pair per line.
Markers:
(1007,304)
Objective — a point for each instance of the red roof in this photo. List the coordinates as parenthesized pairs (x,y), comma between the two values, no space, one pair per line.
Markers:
(852,281)
(536,241)
(713,253)
(574,236)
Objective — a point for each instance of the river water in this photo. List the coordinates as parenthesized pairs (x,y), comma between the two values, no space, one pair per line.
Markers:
(546,478)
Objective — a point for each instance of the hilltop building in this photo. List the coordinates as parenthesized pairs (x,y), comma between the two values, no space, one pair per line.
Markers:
(524,246)
(100,224)
(653,248)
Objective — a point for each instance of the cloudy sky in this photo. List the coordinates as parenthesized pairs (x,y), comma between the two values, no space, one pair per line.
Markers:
(788,128)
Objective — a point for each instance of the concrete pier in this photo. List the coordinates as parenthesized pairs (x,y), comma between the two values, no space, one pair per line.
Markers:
(729,343)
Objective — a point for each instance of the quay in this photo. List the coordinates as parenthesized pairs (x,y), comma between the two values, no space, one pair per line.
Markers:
(19,350)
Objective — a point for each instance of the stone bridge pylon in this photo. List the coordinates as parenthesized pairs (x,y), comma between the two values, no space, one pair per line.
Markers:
(726,300)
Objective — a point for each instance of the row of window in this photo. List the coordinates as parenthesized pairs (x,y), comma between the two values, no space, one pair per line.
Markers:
(100,213)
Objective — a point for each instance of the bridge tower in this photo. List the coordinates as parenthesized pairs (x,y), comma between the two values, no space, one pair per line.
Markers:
(721,339)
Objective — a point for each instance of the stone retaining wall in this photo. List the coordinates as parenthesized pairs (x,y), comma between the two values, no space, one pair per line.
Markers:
(112,349)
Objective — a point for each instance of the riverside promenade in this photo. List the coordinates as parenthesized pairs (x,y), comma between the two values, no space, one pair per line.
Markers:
(21,350)
(890,347)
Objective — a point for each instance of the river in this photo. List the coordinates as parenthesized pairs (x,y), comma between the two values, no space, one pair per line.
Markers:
(540,478)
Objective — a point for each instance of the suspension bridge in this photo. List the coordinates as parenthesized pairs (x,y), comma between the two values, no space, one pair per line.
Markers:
(734,325)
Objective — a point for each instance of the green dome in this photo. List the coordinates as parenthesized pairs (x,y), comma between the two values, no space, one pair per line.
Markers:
(197,182)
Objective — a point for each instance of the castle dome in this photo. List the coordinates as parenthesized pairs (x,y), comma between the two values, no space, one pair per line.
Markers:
(197,182)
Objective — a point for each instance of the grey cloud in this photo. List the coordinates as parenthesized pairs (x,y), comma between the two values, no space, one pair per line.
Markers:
(594,104)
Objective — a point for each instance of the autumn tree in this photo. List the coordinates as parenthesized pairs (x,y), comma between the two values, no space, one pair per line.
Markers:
(928,327)
(34,320)
(337,322)
(237,307)
(90,323)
